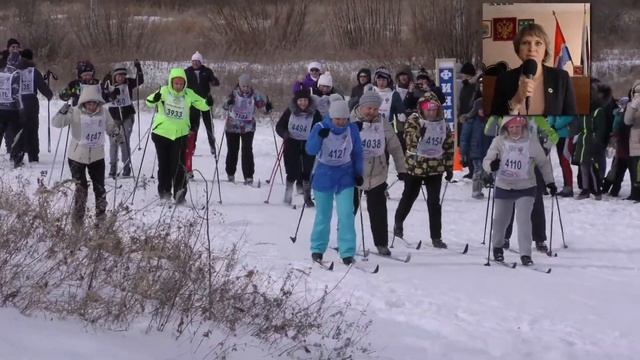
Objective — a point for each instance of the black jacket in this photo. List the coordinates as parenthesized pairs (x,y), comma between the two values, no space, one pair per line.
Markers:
(201,84)
(559,98)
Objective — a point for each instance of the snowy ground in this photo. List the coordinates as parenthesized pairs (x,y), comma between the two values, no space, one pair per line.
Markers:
(441,305)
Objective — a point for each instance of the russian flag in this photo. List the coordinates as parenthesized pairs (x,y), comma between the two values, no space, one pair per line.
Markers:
(561,53)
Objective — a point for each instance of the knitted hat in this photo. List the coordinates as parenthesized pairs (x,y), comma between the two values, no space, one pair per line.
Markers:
(244,80)
(12,41)
(468,69)
(364,71)
(514,120)
(119,69)
(338,108)
(429,105)
(325,79)
(370,97)
(302,94)
(422,74)
(197,57)
(85,67)
(382,72)
(314,65)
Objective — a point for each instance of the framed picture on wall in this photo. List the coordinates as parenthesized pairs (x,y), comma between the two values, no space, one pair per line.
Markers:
(504,29)
(524,22)
(486,29)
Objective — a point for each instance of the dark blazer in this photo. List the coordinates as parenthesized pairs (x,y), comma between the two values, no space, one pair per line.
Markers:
(559,97)
(202,84)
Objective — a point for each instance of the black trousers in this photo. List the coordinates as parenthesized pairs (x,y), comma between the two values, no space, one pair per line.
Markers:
(377,209)
(9,126)
(79,175)
(412,186)
(171,172)
(615,176)
(31,125)
(538,220)
(233,147)
(297,163)
(194,118)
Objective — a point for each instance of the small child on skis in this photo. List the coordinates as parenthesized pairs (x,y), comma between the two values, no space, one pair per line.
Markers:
(120,88)
(338,149)
(241,106)
(89,121)
(429,154)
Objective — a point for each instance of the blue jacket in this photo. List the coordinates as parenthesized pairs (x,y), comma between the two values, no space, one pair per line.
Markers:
(473,142)
(335,178)
(560,123)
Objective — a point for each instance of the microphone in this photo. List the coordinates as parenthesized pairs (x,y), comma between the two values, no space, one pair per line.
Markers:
(529,69)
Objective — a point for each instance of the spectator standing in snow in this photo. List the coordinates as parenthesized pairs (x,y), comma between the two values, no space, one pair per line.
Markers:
(89,121)
(619,143)
(120,88)
(378,138)
(294,127)
(336,144)
(465,105)
(241,106)
(429,154)
(564,147)
(171,127)
(474,144)
(632,118)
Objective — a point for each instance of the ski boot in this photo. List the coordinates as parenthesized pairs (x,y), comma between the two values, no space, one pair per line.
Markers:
(231,178)
(112,171)
(506,244)
(383,250)
(126,171)
(498,254)
(288,193)
(308,202)
(398,231)
(567,191)
(300,188)
(584,194)
(541,246)
(316,256)
(348,260)
(248,181)
(526,260)
(439,244)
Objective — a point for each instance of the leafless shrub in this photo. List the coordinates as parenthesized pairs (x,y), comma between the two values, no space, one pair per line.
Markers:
(241,27)
(127,269)
(366,24)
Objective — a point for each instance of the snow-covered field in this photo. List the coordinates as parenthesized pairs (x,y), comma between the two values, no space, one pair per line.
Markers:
(441,305)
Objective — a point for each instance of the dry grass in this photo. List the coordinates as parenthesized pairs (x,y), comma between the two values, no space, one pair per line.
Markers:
(127,270)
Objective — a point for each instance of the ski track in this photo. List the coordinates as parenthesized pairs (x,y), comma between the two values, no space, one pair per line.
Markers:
(441,305)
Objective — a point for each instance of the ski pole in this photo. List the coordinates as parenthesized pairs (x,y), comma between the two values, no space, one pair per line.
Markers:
(275,143)
(486,216)
(295,236)
(138,106)
(564,244)
(55,155)
(153,168)
(444,192)
(364,250)
(127,145)
(64,156)
(144,152)
(550,251)
(49,74)
(493,203)
(272,176)
(278,165)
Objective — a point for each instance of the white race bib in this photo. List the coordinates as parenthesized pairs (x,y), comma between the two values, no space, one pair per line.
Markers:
(5,88)
(336,149)
(515,161)
(243,109)
(434,135)
(92,130)
(174,108)
(27,81)
(385,106)
(124,98)
(373,140)
(300,126)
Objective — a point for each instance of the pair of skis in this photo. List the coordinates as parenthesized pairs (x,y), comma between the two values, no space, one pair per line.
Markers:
(329,265)
(418,246)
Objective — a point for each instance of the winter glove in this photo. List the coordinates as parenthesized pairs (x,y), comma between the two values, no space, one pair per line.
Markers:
(402,176)
(449,175)
(64,109)
(359,180)
(209,101)
(156,97)
(231,100)
(495,165)
(285,135)
(268,107)
(359,125)
(324,132)
(553,190)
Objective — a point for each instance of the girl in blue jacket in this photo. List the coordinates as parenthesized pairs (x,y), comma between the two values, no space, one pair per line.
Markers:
(335,142)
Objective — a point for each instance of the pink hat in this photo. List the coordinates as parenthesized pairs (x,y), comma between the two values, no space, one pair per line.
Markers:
(515,120)
(429,105)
